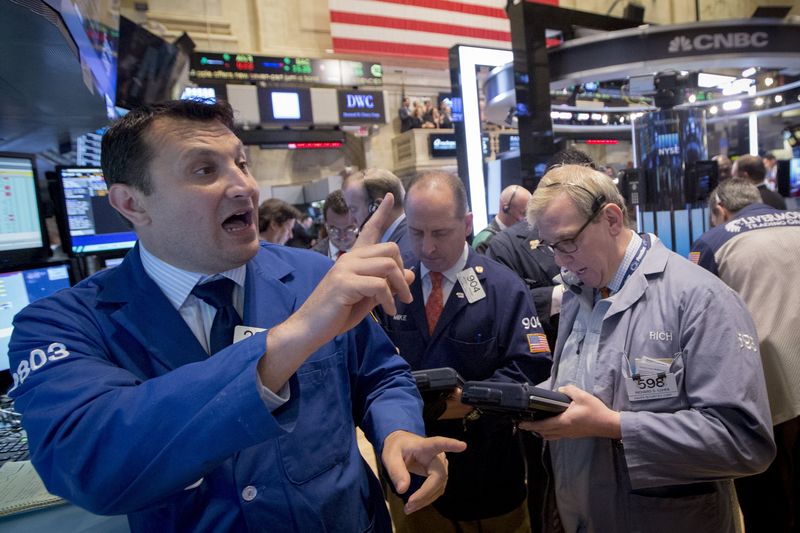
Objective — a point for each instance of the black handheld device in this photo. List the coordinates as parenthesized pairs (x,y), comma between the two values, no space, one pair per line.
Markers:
(443,379)
(435,385)
(519,401)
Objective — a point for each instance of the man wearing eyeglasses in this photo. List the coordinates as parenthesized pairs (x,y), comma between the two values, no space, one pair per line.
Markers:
(341,228)
(661,361)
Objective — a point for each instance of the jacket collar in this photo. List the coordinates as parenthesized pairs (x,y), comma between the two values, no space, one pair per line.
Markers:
(454,303)
(144,310)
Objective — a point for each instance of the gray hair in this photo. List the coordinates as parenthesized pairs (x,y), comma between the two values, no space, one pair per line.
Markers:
(582,184)
(734,194)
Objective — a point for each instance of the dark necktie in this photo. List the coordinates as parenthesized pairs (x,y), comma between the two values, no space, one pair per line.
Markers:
(435,303)
(219,294)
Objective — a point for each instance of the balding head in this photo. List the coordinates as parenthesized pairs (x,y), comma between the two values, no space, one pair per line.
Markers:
(750,167)
(513,202)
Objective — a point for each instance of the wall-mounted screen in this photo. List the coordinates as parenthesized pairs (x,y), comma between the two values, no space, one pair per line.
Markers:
(285,106)
(364,107)
(89,225)
(442,145)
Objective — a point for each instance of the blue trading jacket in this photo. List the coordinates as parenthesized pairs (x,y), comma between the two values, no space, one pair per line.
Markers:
(125,412)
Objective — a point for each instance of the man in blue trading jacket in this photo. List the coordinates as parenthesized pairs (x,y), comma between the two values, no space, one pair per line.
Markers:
(127,413)
(660,360)
(474,315)
(755,250)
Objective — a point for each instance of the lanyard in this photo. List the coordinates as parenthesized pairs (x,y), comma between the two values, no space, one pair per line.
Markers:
(637,259)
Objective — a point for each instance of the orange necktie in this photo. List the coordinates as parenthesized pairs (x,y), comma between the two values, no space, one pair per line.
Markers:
(435,304)
(605,292)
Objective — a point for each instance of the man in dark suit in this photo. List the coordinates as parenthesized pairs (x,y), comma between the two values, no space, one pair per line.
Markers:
(752,168)
(474,315)
(364,191)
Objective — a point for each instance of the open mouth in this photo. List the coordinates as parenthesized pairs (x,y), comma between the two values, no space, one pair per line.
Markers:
(238,221)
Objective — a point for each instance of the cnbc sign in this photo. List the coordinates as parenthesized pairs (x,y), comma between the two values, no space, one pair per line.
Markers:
(718,41)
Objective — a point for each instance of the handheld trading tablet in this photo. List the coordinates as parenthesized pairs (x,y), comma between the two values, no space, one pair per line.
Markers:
(437,379)
(519,401)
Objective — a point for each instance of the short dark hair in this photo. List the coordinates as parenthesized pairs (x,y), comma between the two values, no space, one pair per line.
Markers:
(753,166)
(275,210)
(451,181)
(125,151)
(336,203)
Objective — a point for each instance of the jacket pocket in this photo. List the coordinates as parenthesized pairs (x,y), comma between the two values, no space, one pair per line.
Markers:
(324,424)
(473,360)
(685,513)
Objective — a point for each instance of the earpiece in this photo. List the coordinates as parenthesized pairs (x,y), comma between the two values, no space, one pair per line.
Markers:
(599,202)
(507,207)
(373,206)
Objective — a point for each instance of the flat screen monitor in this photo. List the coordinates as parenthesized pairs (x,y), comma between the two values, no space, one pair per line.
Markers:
(18,288)
(361,107)
(23,236)
(285,106)
(89,225)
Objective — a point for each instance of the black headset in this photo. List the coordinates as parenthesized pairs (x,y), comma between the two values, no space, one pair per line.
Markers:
(373,206)
(507,207)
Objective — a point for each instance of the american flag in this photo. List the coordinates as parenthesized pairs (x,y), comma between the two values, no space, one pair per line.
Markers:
(417,28)
(538,343)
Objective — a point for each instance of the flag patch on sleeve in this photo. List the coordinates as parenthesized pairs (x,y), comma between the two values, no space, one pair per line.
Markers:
(694,257)
(537,342)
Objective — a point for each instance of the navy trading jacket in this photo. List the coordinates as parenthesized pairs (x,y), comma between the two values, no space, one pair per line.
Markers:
(497,338)
(126,413)
(517,247)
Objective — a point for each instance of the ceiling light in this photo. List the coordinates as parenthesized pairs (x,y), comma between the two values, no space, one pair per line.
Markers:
(692,98)
(564,115)
(749,72)
(605,117)
(778,98)
(583,116)
(768,81)
(713,110)
(732,105)
(596,116)
(713,80)
(554,114)
(759,101)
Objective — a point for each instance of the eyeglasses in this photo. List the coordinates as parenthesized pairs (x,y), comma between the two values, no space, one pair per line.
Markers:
(570,246)
(339,233)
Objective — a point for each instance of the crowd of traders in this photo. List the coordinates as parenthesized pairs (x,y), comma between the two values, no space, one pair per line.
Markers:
(143,404)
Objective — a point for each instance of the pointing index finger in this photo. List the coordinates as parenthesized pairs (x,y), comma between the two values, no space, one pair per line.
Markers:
(376,223)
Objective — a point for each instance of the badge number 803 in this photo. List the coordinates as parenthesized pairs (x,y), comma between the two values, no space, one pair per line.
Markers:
(37,360)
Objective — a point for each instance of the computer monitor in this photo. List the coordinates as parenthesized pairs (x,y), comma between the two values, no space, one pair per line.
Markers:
(18,288)
(88,223)
(23,236)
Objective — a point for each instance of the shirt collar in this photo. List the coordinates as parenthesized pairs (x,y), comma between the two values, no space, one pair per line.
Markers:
(500,223)
(177,283)
(630,253)
(390,229)
(451,272)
